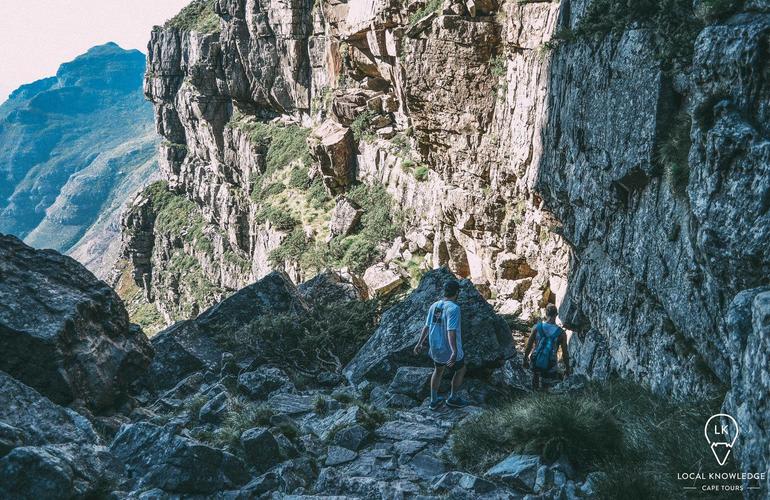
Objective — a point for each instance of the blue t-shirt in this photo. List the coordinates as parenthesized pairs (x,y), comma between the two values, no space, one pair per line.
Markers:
(443,316)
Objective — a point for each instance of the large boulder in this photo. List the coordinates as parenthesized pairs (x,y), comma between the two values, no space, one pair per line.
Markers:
(61,471)
(331,145)
(486,336)
(193,345)
(32,419)
(381,280)
(332,286)
(63,331)
(156,457)
(345,216)
(748,325)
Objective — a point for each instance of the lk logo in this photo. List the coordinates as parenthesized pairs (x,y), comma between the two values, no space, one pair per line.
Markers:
(721,432)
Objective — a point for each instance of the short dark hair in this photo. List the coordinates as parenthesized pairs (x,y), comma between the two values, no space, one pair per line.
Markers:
(551,311)
(451,288)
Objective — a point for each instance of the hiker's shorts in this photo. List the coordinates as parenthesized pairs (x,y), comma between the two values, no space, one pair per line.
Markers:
(458,364)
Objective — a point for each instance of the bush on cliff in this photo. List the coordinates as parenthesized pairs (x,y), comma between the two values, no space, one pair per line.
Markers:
(198,16)
(636,438)
(324,339)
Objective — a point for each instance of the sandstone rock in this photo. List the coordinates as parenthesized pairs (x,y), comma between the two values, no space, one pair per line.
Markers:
(411,381)
(258,384)
(58,472)
(261,448)
(155,457)
(64,332)
(332,147)
(380,280)
(519,470)
(486,336)
(345,216)
(33,418)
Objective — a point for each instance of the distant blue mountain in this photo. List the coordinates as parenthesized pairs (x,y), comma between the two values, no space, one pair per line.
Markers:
(73,145)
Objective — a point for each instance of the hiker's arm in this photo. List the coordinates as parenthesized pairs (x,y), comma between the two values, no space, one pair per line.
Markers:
(528,348)
(421,343)
(452,325)
(565,355)
(452,335)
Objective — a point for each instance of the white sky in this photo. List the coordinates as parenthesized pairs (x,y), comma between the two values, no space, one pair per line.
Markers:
(36,36)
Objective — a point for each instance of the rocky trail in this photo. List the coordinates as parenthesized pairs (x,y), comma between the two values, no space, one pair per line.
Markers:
(182,417)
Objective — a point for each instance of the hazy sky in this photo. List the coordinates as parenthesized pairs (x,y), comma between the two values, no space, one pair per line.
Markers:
(36,36)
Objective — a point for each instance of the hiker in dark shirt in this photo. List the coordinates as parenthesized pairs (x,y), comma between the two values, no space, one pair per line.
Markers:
(546,338)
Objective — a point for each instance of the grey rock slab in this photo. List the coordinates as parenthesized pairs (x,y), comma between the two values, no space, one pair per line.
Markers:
(464,481)
(261,448)
(156,457)
(39,419)
(518,470)
(352,437)
(413,381)
(336,455)
(291,404)
(399,431)
(64,332)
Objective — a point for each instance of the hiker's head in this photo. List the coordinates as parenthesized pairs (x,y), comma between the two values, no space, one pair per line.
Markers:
(551,312)
(451,289)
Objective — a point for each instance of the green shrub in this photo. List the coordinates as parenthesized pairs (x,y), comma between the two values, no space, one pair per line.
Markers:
(198,15)
(299,178)
(291,248)
(407,165)
(719,9)
(278,217)
(636,438)
(674,150)
(361,125)
(421,173)
(282,143)
(241,416)
(497,66)
(430,6)
(325,339)
(546,425)
(317,195)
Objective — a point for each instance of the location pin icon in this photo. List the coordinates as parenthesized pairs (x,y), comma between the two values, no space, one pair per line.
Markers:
(721,432)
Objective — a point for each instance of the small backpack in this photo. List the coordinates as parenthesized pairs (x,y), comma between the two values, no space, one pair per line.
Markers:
(545,353)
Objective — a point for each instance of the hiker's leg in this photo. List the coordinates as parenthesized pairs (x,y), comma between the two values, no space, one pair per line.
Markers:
(457,380)
(535,380)
(435,381)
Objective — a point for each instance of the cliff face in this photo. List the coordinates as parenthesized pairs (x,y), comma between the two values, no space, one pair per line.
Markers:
(73,149)
(615,164)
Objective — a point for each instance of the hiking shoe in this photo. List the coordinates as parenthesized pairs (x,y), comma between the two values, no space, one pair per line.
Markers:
(457,402)
(435,405)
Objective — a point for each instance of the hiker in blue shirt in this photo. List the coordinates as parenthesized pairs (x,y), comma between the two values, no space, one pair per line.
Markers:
(443,330)
(546,337)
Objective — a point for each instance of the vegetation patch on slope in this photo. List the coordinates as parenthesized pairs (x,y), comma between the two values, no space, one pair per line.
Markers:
(638,440)
(325,339)
(198,16)
(674,24)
